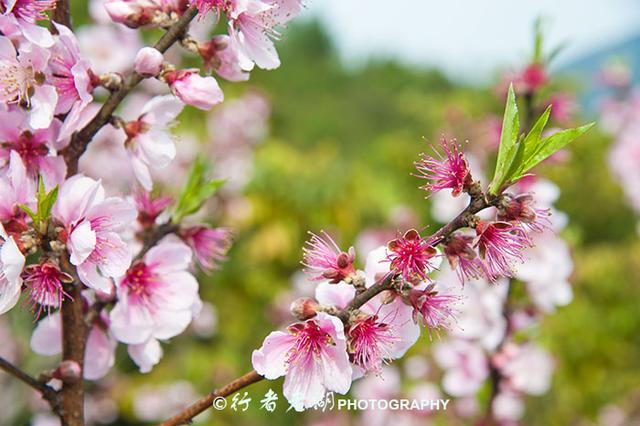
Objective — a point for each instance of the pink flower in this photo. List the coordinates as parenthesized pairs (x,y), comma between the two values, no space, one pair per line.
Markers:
(149,208)
(22,76)
(521,211)
(210,245)
(148,62)
(148,143)
(547,271)
(193,89)
(16,188)
(466,367)
(206,6)
(412,256)
(69,72)
(383,330)
(563,107)
(312,356)
(36,148)
(371,340)
(156,297)
(221,54)
(21,16)
(500,244)
(100,353)
(450,170)
(91,223)
(44,284)
(253,26)
(533,77)
(29,10)
(528,369)
(434,310)
(463,258)
(324,260)
(132,13)
(11,264)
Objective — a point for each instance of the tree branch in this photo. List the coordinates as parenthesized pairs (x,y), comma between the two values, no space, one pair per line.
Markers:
(81,139)
(62,13)
(46,391)
(185,416)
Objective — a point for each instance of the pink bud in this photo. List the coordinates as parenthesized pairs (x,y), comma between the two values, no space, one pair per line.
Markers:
(133,14)
(304,308)
(148,62)
(193,89)
(68,371)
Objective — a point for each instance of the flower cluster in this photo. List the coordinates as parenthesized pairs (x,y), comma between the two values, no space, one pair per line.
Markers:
(127,259)
(339,338)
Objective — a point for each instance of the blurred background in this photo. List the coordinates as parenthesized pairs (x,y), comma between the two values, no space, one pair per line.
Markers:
(328,140)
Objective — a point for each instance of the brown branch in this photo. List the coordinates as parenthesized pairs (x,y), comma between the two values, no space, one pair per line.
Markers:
(81,139)
(152,238)
(62,13)
(74,338)
(185,416)
(46,391)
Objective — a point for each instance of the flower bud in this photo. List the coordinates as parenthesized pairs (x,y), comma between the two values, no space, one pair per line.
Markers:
(148,62)
(193,89)
(68,371)
(304,308)
(133,14)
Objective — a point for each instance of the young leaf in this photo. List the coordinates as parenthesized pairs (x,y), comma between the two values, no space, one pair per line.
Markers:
(508,138)
(533,137)
(31,213)
(196,191)
(551,144)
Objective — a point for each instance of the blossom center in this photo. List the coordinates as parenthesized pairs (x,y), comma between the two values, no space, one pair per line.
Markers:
(310,339)
(139,282)
(17,83)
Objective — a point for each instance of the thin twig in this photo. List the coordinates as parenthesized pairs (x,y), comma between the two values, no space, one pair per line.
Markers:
(46,391)
(153,237)
(62,13)
(185,416)
(81,139)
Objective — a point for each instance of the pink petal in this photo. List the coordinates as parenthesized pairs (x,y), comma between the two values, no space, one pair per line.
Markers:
(131,323)
(146,355)
(100,355)
(270,360)
(47,336)
(338,295)
(81,243)
(168,257)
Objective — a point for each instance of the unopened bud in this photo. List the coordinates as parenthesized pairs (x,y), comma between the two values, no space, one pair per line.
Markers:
(68,371)
(304,308)
(148,62)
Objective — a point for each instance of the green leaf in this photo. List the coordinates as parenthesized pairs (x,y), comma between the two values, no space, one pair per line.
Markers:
(533,137)
(508,138)
(31,213)
(196,191)
(45,207)
(539,38)
(552,144)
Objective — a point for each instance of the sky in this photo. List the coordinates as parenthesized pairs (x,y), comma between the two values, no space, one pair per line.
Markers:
(470,39)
